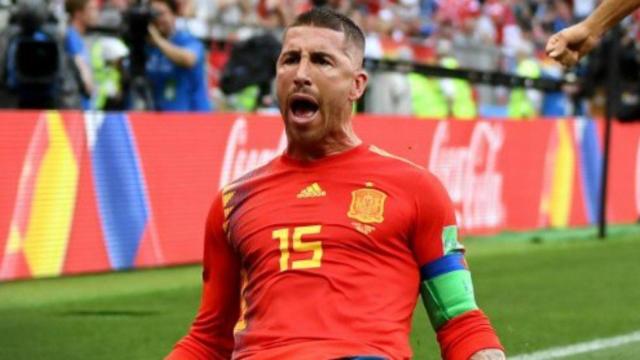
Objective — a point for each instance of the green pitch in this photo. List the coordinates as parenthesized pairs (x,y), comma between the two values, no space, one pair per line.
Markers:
(542,290)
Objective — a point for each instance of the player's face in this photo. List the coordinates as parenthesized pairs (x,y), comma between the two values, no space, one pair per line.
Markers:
(164,18)
(318,78)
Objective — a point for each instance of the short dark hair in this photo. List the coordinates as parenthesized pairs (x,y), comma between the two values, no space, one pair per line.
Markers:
(329,19)
(172,4)
(73,6)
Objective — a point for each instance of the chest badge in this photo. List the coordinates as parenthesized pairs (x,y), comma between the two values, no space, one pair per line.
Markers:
(367,205)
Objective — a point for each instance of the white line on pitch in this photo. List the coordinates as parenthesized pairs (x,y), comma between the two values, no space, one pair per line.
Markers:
(580,348)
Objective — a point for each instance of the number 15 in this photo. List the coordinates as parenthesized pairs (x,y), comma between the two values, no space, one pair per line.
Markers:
(299,246)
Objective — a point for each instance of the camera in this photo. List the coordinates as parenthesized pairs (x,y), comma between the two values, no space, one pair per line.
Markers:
(33,56)
(37,55)
(136,24)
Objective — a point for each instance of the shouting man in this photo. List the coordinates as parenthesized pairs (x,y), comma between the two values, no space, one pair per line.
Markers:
(321,253)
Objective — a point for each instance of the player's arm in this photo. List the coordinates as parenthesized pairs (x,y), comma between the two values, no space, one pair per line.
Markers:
(463,330)
(571,44)
(211,334)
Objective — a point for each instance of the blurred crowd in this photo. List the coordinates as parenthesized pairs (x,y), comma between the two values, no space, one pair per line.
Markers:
(218,55)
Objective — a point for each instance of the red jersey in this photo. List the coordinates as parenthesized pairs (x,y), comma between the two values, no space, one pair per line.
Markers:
(323,257)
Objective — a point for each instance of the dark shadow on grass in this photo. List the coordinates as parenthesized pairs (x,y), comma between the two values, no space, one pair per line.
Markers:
(118,313)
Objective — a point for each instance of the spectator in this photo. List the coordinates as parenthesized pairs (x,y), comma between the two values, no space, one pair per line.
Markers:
(562,16)
(525,103)
(390,91)
(457,92)
(485,30)
(175,63)
(82,15)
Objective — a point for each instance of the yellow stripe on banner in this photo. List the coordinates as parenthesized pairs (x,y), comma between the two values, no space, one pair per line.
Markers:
(53,203)
(562,188)
(14,242)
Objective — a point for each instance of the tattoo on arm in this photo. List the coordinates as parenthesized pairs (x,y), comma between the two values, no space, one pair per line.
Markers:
(488,354)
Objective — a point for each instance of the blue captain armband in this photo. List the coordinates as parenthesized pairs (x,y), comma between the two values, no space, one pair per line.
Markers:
(446,288)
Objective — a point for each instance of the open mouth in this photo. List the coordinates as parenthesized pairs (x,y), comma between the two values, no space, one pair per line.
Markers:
(303,106)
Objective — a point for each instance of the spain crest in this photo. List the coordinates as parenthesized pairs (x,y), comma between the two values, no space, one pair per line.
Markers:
(367,205)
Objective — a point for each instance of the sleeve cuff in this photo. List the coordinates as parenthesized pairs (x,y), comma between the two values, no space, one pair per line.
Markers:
(467,334)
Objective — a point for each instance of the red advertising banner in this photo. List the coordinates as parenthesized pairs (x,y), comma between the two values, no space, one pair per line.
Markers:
(97,192)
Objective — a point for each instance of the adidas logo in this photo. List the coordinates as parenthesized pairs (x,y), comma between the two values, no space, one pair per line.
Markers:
(311,191)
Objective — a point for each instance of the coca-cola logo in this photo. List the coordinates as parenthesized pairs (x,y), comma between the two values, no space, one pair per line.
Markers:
(469,174)
(240,156)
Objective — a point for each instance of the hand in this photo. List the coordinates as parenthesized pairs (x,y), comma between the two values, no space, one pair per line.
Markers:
(569,45)
(488,354)
(154,34)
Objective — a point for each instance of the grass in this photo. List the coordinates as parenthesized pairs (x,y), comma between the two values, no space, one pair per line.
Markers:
(540,290)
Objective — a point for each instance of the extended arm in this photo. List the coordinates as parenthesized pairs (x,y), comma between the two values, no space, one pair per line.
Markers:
(211,334)
(571,44)
(463,331)
(609,13)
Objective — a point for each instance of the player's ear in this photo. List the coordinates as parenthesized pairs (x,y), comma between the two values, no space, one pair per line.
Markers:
(359,84)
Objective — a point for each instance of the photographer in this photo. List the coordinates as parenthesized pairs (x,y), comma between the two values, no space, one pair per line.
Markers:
(82,15)
(175,64)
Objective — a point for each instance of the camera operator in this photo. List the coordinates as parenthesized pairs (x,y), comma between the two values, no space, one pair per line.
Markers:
(175,64)
(31,70)
(82,15)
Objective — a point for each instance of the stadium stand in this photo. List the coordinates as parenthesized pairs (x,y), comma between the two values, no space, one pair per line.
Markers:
(490,35)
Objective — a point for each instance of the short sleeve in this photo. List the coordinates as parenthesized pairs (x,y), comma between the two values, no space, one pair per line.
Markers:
(73,43)
(191,44)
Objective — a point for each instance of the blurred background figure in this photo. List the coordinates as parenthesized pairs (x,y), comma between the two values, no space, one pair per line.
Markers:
(175,63)
(108,61)
(82,15)
(247,78)
(457,92)
(525,103)
(390,92)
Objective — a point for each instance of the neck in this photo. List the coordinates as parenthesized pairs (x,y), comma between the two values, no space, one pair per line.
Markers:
(79,25)
(332,144)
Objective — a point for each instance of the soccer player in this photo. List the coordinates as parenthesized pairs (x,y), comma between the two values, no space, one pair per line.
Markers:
(321,253)
(571,44)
